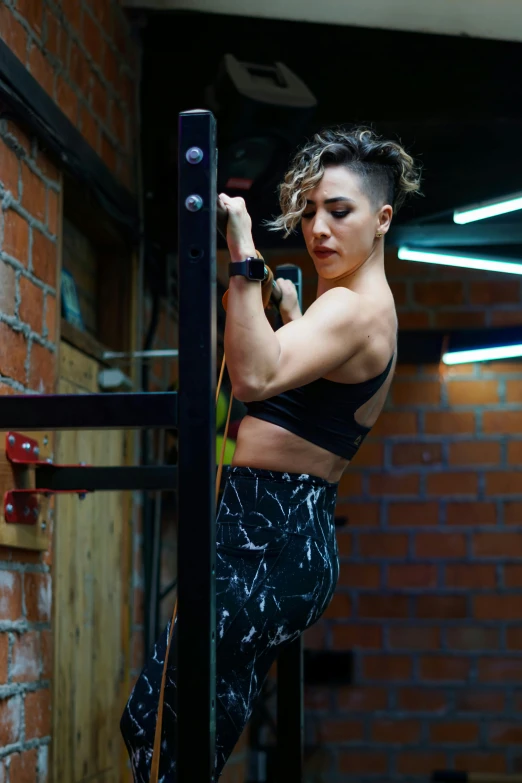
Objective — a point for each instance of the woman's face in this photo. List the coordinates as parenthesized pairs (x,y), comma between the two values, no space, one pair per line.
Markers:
(339,223)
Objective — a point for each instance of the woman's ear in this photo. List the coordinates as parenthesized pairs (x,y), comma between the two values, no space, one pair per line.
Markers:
(385,219)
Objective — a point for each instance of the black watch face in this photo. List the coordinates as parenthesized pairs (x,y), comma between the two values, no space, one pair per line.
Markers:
(256,269)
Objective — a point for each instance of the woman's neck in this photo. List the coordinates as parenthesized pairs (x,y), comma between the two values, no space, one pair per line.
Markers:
(362,279)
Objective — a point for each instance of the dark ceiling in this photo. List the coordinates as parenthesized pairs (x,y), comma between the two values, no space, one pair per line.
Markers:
(453,101)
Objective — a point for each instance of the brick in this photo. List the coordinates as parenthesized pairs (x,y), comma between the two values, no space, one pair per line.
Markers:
(441,607)
(10,720)
(440,545)
(459,320)
(44,258)
(514,391)
(371,456)
(10,595)
(481,762)
(98,100)
(9,167)
(16,236)
(444,668)
(111,68)
(423,763)
(413,321)
(50,318)
(454,732)
(356,762)
(73,13)
(479,701)
(359,514)
(38,714)
(361,699)
(422,700)
(93,40)
(412,575)
(344,543)
(7,289)
(388,484)
(317,698)
(502,422)
(26,661)
(449,423)
(496,607)
(497,544)
(383,606)
(452,483)
(31,304)
(514,638)
(46,640)
(416,453)
(395,423)
(13,34)
(514,452)
(474,452)
(37,593)
(41,69)
(471,514)
(500,669)
(361,576)
(350,485)
(351,637)
(472,638)
(469,576)
(414,638)
(42,370)
(410,392)
(504,733)
(410,514)
(439,293)
(67,99)
(396,732)
(505,318)
(24,766)
(512,576)
(52,211)
(33,193)
(383,545)
(339,607)
(513,513)
(79,69)
(504,483)
(493,292)
(386,667)
(32,13)
(341,731)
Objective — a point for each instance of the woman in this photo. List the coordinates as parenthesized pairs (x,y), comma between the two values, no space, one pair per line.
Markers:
(313,390)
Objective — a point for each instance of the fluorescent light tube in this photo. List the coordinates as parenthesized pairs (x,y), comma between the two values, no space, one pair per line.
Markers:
(447,259)
(510,204)
(482,354)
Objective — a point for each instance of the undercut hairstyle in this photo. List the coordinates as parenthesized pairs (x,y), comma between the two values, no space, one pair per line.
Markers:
(386,171)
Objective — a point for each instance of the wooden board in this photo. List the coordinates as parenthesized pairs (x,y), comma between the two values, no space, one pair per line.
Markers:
(88,593)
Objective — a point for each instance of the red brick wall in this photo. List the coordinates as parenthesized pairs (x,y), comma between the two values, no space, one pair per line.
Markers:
(429,596)
(83,55)
(85,59)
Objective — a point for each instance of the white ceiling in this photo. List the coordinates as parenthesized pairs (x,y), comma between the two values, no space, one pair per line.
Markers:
(500,19)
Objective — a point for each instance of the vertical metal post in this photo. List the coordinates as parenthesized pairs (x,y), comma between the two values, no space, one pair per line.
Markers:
(196,628)
(290,670)
(290,714)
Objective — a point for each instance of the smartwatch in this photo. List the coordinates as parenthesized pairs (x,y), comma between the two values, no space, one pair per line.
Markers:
(251,268)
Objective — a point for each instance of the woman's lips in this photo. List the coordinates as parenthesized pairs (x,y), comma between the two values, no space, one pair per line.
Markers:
(324,253)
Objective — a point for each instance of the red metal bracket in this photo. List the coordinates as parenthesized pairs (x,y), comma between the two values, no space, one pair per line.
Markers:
(21,505)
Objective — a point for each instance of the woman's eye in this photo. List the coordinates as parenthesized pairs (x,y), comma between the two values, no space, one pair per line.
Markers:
(305,217)
(340,214)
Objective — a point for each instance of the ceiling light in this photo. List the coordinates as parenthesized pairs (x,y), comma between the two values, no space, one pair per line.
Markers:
(454,259)
(488,209)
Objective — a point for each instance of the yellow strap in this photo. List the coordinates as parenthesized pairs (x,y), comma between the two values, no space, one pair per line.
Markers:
(156,752)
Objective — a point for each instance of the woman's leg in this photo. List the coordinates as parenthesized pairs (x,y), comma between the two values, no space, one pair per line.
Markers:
(276,571)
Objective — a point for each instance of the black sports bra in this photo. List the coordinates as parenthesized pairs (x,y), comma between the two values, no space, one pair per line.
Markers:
(322,412)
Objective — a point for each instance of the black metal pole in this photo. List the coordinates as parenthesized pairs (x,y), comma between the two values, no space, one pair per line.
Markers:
(196,631)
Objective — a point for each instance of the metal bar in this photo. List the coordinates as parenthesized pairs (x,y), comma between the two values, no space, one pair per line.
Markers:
(107,479)
(196,627)
(151,410)
(290,714)
(163,353)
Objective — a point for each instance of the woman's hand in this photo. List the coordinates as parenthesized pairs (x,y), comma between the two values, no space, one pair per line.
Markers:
(289,305)
(239,228)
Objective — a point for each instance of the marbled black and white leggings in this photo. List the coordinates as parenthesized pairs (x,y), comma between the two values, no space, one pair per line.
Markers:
(277,568)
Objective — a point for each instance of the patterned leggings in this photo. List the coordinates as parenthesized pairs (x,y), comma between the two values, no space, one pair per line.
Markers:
(277,568)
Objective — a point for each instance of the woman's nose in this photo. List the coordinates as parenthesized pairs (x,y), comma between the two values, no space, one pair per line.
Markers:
(320,227)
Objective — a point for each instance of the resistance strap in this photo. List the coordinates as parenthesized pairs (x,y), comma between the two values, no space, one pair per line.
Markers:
(154,768)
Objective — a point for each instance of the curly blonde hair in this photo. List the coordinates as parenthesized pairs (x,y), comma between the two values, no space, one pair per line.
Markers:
(386,170)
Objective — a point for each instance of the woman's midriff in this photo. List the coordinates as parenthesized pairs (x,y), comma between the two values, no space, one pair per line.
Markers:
(263,445)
